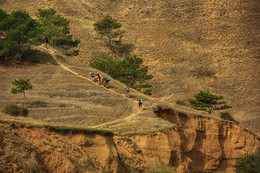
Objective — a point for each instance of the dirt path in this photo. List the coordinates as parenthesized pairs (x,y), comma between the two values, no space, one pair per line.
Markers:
(135,112)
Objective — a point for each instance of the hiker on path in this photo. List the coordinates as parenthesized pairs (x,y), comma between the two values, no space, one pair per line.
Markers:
(105,81)
(46,40)
(98,78)
(127,90)
(92,75)
(140,102)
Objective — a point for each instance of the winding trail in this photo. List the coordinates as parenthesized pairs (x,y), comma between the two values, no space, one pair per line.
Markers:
(135,112)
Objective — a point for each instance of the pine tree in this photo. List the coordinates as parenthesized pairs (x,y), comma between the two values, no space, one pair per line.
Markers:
(17,32)
(208,102)
(109,28)
(21,86)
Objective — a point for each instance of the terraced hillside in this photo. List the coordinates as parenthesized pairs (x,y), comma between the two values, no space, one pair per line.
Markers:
(189,45)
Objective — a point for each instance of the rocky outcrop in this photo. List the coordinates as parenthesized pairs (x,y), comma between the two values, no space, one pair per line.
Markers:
(199,144)
(211,145)
(26,148)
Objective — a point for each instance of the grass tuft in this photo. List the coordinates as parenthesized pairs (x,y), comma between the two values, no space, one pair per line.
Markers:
(76,130)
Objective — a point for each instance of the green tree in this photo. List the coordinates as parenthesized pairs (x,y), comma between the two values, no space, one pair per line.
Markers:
(21,86)
(56,28)
(18,31)
(109,28)
(250,163)
(208,102)
(128,70)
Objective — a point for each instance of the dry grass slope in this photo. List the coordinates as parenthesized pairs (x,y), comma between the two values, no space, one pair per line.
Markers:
(189,46)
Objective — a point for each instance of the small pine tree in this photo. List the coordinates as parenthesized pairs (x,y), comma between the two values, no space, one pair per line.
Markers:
(21,86)
(208,102)
(109,28)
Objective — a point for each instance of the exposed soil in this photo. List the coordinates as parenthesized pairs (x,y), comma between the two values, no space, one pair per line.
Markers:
(189,46)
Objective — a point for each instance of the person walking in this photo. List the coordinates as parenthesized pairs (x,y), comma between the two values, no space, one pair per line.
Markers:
(98,78)
(140,103)
(46,40)
(92,75)
(127,90)
(105,81)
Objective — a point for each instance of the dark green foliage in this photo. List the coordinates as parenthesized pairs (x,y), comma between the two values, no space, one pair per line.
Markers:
(109,28)
(128,70)
(250,163)
(56,28)
(21,85)
(76,130)
(18,31)
(227,116)
(208,102)
(15,110)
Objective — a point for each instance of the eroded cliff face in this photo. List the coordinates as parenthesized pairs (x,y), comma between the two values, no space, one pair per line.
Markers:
(200,144)
(36,149)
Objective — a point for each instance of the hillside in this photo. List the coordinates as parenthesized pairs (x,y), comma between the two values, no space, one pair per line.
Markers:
(188,45)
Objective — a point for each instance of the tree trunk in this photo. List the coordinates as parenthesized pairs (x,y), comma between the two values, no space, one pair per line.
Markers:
(109,43)
(24,104)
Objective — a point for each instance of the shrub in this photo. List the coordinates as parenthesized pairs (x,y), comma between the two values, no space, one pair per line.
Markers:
(250,163)
(71,52)
(227,116)
(148,92)
(25,112)
(179,102)
(15,110)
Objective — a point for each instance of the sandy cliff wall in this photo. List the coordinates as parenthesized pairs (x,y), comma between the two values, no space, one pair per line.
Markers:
(212,145)
(199,144)
(34,149)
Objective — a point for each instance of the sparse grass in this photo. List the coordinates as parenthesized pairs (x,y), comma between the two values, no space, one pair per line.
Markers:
(227,116)
(160,167)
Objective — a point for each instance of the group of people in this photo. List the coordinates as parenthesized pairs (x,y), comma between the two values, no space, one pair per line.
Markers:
(105,81)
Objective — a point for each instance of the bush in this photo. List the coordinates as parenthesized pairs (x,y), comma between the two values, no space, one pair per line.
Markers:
(250,163)
(227,116)
(148,92)
(15,110)
(25,112)
(179,102)
(71,52)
